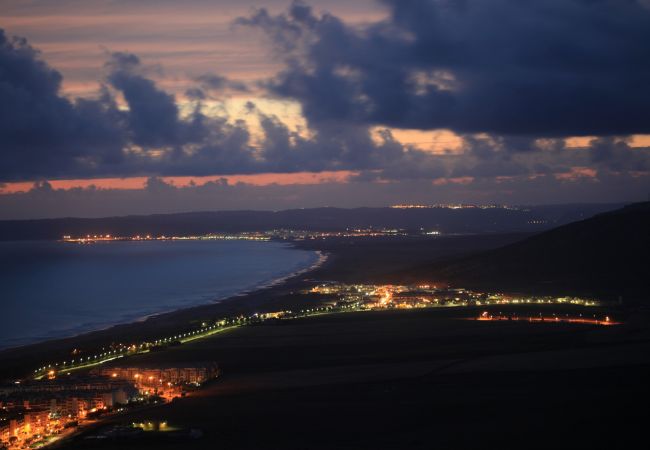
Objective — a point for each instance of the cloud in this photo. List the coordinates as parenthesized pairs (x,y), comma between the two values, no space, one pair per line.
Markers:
(617,155)
(152,116)
(210,81)
(43,133)
(51,136)
(505,67)
(346,79)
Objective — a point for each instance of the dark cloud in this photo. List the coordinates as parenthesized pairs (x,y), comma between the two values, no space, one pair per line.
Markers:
(617,155)
(398,72)
(339,146)
(210,81)
(153,116)
(43,133)
(94,137)
(534,67)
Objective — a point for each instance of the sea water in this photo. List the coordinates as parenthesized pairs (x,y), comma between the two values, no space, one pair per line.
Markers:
(54,289)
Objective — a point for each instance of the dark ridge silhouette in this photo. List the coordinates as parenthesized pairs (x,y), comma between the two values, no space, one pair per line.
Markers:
(607,255)
(474,220)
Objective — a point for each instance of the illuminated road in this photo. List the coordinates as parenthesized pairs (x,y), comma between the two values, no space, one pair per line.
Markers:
(605,321)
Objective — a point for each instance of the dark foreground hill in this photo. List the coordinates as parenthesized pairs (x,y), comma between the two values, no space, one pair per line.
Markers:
(606,255)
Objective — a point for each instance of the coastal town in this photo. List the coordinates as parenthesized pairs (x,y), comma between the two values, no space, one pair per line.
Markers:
(326,298)
(324,224)
(60,398)
(298,234)
(36,413)
(278,235)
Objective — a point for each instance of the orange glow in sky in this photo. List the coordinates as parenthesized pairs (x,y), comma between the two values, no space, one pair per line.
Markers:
(576,173)
(263,179)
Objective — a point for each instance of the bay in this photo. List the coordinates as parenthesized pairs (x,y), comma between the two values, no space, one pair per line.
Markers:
(54,289)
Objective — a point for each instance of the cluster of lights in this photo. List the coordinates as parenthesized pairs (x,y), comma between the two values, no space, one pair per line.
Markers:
(553,318)
(284,234)
(453,206)
(125,350)
(91,238)
(353,295)
(50,370)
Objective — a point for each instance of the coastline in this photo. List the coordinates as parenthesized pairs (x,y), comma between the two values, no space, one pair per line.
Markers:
(17,359)
(343,260)
(141,313)
(322,258)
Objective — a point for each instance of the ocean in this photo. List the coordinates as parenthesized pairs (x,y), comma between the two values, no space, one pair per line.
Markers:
(54,289)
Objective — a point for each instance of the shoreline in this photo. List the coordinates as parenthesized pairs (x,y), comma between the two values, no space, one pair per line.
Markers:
(17,359)
(343,260)
(90,328)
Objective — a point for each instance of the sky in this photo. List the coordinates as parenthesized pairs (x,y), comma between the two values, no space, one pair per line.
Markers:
(112,107)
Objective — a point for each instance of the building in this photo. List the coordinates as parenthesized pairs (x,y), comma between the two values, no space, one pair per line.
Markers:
(189,373)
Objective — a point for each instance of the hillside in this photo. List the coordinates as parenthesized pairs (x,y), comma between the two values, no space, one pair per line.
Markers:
(447,220)
(607,255)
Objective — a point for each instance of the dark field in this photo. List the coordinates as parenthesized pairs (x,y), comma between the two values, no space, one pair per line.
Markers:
(412,379)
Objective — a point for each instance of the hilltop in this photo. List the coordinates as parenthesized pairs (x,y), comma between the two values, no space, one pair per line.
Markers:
(604,255)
